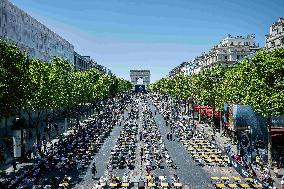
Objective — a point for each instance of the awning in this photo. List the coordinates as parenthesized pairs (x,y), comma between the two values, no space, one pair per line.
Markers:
(202,107)
(277,131)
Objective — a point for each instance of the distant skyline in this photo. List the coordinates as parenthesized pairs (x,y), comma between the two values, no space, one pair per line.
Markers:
(151,34)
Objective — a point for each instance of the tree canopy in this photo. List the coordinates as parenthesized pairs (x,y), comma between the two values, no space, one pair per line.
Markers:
(36,85)
(258,82)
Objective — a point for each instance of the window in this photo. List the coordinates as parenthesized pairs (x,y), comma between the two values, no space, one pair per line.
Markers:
(226,57)
(272,44)
(238,57)
(282,41)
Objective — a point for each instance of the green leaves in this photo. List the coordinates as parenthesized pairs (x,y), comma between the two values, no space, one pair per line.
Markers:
(12,72)
(264,88)
(36,85)
(258,82)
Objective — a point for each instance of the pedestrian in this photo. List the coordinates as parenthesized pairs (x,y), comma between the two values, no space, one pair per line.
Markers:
(29,154)
(282,183)
(276,171)
(56,128)
(148,169)
(110,169)
(171,136)
(213,139)
(141,136)
(14,165)
(94,169)
(281,161)
(257,161)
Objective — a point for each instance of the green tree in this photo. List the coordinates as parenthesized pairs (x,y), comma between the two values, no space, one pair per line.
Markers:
(264,91)
(12,79)
(38,94)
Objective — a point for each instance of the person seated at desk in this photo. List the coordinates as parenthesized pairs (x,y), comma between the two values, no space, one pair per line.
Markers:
(115,179)
(125,178)
(228,148)
(175,178)
(98,186)
(141,185)
(163,179)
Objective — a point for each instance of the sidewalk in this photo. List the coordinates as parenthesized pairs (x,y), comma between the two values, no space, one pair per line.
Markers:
(9,169)
(7,166)
(223,141)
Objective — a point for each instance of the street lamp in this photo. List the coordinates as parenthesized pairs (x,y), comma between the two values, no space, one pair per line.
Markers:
(19,124)
(250,142)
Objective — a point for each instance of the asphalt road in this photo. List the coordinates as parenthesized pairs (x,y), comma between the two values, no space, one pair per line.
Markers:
(187,170)
(190,174)
(88,180)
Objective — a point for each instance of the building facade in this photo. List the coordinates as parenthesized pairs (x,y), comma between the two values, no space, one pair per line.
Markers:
(187,68)
(102,68)
(82,62)
(275,39)
(86,62)
(32,36)
(197,62)
(229,51)
(182,68)
(136,75)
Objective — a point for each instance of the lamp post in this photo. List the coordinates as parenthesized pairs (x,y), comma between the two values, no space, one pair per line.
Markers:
(19,124)
(237,133)
(250,142)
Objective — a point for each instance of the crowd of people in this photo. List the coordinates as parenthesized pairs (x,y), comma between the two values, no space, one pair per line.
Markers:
(123,153)
(139,132)
(185,129)
(153,151)
(140,144)
(56,163)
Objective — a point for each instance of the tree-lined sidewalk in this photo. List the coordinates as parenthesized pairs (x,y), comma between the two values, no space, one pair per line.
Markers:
(257,82)
(34,86)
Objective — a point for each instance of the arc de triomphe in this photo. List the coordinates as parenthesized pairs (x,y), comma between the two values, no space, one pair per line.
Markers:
(140,74)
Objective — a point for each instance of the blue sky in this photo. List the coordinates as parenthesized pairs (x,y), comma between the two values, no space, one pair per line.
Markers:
(151,34)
